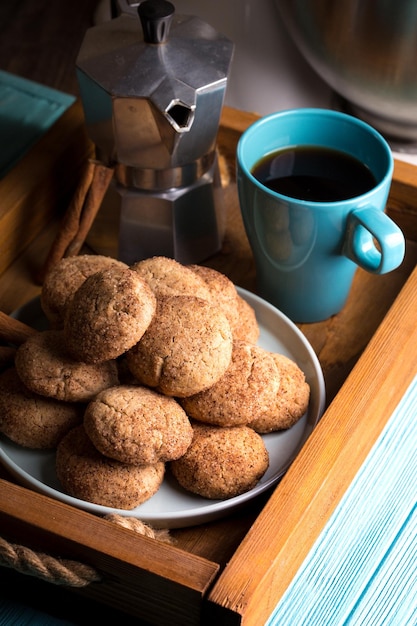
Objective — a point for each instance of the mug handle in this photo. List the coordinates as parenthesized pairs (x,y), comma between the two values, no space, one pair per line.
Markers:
(373,241)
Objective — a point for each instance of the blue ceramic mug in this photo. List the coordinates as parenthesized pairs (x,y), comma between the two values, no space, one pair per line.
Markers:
(307,251)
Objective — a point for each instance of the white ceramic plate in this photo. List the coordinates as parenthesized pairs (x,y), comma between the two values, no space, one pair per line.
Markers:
(171,506)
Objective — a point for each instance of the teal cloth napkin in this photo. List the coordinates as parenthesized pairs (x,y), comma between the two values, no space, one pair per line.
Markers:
(362,571)
(27,111)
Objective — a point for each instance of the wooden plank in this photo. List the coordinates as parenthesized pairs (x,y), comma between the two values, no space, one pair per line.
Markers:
(280,539)
(142,576)
(40,186)
(18,282)
(402,202)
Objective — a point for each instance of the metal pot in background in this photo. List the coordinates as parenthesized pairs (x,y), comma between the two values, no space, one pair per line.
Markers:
(366,50)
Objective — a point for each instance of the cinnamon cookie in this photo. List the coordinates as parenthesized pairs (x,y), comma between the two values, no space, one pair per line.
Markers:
(63,280)
(221,462)
(86,474)
(167,277)
(108,314)
(133,424)
(31,420)
(222,291)
(246,326)
(246,389)
(291,402)
(46,368)
(187,347)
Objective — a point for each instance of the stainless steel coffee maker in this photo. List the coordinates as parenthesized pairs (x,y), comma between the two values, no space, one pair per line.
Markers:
(152,85)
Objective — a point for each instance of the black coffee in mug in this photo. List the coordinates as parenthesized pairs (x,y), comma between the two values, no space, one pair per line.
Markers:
(314,173)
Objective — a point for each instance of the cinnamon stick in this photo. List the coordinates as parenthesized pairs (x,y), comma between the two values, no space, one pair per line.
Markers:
(79,215)
(70,222)
(13,330)
(102,176)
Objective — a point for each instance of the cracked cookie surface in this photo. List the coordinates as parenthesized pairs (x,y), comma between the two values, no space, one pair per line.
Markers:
(290,403)
(63,280)
(133,424)
(187,347)
(167,277)
(221,462)
(245,390)
(46,368)
(86,474)
(108,314)
(31,420)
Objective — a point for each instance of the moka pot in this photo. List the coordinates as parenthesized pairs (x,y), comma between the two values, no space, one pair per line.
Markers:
(152,85)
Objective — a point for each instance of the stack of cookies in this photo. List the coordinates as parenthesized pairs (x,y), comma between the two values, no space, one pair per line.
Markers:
(148,369)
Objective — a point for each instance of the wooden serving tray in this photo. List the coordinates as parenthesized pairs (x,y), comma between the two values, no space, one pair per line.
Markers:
(235,570)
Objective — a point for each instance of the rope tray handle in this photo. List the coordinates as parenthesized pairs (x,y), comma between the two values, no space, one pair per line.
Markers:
(66,571)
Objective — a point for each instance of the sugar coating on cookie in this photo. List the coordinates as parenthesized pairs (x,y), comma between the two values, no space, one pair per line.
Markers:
(86,474)
(290,403)
(133,424)
(246,389)
(224,294)
(108,314)
(167,277)
(31,420)
(46,368)
(187,347)
(222,291)
(222,462)
(63,280)
(246,326)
